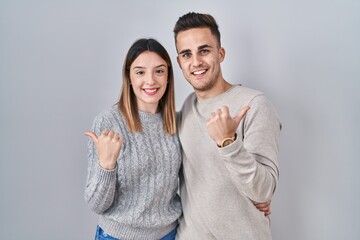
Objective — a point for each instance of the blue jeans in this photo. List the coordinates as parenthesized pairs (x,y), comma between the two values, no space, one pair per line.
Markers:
(101,235)
(170,236)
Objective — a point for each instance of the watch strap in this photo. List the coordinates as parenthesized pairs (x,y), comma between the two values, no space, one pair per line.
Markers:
(232,139)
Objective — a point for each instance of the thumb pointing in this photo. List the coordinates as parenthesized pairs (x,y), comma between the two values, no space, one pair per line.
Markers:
(241,115)
(92,136)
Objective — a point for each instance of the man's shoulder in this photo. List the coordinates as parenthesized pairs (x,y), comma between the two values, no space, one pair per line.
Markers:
(189,98)
(188,101)
(186,107)
(246,91)
(241,95)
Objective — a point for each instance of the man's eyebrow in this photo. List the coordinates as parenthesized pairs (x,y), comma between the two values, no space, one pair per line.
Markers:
(199,48)
(204,46)
(184,51)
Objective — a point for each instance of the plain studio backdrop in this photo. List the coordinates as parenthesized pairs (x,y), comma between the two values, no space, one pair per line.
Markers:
(60,65)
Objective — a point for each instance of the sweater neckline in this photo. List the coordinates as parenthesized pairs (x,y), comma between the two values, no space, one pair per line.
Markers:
(149,117)
(217,97)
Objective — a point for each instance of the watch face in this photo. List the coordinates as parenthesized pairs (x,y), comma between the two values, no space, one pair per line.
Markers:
(227,142)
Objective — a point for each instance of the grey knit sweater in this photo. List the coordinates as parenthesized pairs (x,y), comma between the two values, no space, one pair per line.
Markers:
(138,199)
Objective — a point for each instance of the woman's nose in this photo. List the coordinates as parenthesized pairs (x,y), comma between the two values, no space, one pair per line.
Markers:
(150,79)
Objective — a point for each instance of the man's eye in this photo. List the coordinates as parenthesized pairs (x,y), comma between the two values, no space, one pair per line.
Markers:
(186,55)
(204,51)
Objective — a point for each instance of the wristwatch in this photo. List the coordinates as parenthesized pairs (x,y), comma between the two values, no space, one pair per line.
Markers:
(227,141)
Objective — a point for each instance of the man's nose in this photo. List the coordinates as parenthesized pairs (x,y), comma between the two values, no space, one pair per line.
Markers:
(197,60)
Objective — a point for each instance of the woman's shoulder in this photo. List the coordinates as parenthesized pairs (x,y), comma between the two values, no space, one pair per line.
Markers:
(110,116)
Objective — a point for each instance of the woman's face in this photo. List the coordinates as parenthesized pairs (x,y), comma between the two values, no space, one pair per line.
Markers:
(148,77)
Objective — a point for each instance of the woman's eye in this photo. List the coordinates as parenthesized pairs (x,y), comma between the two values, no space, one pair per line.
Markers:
(140,72)
(160,71)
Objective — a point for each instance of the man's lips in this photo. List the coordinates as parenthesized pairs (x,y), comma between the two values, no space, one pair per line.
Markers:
(199,72)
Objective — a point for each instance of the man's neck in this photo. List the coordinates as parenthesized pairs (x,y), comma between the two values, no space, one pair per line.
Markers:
(218,89)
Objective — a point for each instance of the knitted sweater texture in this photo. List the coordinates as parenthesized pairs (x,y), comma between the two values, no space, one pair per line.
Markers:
(138,199)
(220,185)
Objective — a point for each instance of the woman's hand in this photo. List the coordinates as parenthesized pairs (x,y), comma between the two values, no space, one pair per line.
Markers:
(108,146)
(264,207)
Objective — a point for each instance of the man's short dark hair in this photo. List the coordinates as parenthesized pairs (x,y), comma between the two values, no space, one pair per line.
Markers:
(197,20)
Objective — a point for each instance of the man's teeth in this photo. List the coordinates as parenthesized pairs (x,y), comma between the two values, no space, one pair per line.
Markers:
(199,72)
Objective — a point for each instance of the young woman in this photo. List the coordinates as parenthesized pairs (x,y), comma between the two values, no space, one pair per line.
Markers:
(134,152)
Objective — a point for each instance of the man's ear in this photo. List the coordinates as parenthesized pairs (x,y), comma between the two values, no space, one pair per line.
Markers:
(222,54)
(178,61)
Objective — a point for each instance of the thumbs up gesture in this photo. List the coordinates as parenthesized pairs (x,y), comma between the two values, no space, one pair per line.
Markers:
(108,146)
(221,125)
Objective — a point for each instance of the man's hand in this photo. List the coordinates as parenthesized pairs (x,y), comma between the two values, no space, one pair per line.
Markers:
(264,207)
(221,125)
(108,146)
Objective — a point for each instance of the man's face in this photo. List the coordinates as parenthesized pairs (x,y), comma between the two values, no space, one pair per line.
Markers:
(199,57)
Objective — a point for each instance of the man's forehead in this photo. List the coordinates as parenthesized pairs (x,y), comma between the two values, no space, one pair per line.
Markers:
(195,39)
(194,34)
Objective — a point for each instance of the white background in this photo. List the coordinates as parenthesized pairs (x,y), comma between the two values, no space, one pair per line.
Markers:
(60,65)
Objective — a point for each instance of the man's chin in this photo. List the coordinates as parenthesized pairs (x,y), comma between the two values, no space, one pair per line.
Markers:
(200,86)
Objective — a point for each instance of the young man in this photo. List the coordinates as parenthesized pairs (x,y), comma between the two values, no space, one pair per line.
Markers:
(230,137)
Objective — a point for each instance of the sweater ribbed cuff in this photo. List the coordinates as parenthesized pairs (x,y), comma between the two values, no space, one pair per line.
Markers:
(105,175)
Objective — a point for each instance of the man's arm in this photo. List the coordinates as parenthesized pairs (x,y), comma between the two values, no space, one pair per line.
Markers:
(252,159)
